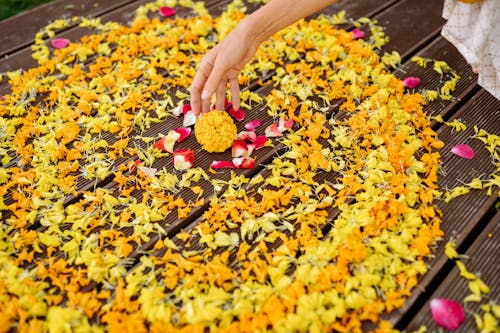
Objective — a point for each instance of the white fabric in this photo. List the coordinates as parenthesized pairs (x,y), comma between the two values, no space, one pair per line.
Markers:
(474,29)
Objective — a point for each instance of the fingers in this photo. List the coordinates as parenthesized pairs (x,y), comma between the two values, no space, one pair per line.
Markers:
(220,96)
(198,84)
(235,93)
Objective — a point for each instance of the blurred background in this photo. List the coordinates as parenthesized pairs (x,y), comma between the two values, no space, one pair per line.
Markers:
(10,8)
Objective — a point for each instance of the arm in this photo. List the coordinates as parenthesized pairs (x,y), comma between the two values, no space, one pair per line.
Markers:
(224,62)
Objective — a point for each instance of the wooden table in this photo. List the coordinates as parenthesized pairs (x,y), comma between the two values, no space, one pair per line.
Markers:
(414,27)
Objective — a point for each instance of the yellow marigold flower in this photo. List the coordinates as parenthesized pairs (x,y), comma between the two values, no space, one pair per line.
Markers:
(215,131)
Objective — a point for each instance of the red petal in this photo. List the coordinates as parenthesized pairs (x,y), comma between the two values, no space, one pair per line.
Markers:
(59,43)
(189,118)
(168,141)
(181,109)
(183,132)
(272,131)
(246,135)
(252,125)
(239,148)
(239,115)
(183,159)
(222,165)
(166,11)
(447,313)
(244,162)
(463,150)
(357,33)
(132,166)
(260,141)
(411,82)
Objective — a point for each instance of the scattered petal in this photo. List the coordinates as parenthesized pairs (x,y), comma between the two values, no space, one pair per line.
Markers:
(166,11)
(167,143)
(357,33)
(463,150)
(133,165)
(59,43)
(222,165)
(246,135)
(260,141)
(272,131)
(244,162)
(411,82)
(253,124)
(184,133)
(149,172)
(183,159)
(239,148)
(189,119)
(239,115)
(283,124)
(447,313)
(181,109)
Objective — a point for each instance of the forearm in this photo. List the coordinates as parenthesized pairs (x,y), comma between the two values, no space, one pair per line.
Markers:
(278,14)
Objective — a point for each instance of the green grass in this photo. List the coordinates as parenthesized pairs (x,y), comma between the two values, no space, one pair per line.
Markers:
(10,8)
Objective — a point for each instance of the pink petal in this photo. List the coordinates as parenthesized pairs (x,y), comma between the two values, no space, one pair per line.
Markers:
(239,115)
(239,148)
(181,109)
(244,162)
(272,131)
(189,118)
(447,313)
(246,135)
(463,150)
(184,133)
(1,97)
(260,141)
(357,33)
(411,82)
(222,165)
(183,159)
(252,125)
(283,124)
(59,43)
(166,11)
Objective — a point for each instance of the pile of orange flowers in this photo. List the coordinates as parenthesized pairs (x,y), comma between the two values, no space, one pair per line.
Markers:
(331,233)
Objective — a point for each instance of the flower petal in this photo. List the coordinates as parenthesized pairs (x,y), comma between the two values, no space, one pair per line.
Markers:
(59,43)
(184,133)
(357,33)
(411,82)
(183,159)
(167,143)
(246,135)
(463,150)
(181,109)
(189,118)
(260,141)
(222,165)
(133,165)
(166,11)
(239,115)
(283,124)
(272,131)
(149,172)
(244,162)
(253,124)
(239,148)
(447,313)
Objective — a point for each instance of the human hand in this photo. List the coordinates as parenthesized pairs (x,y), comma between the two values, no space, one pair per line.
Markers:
(221,65)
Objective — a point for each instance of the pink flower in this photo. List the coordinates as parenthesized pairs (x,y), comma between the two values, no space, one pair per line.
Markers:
(183,159)
(447,313)
(463,150)
(411,82)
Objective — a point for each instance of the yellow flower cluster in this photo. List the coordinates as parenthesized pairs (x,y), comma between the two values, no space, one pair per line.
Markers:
(215,131)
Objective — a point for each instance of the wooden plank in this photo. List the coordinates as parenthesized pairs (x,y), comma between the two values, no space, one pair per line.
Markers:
(411,23)
(18,31)
(483,259)
(462,215)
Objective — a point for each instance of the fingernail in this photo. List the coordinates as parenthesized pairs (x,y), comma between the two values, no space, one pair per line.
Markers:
(205,94)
